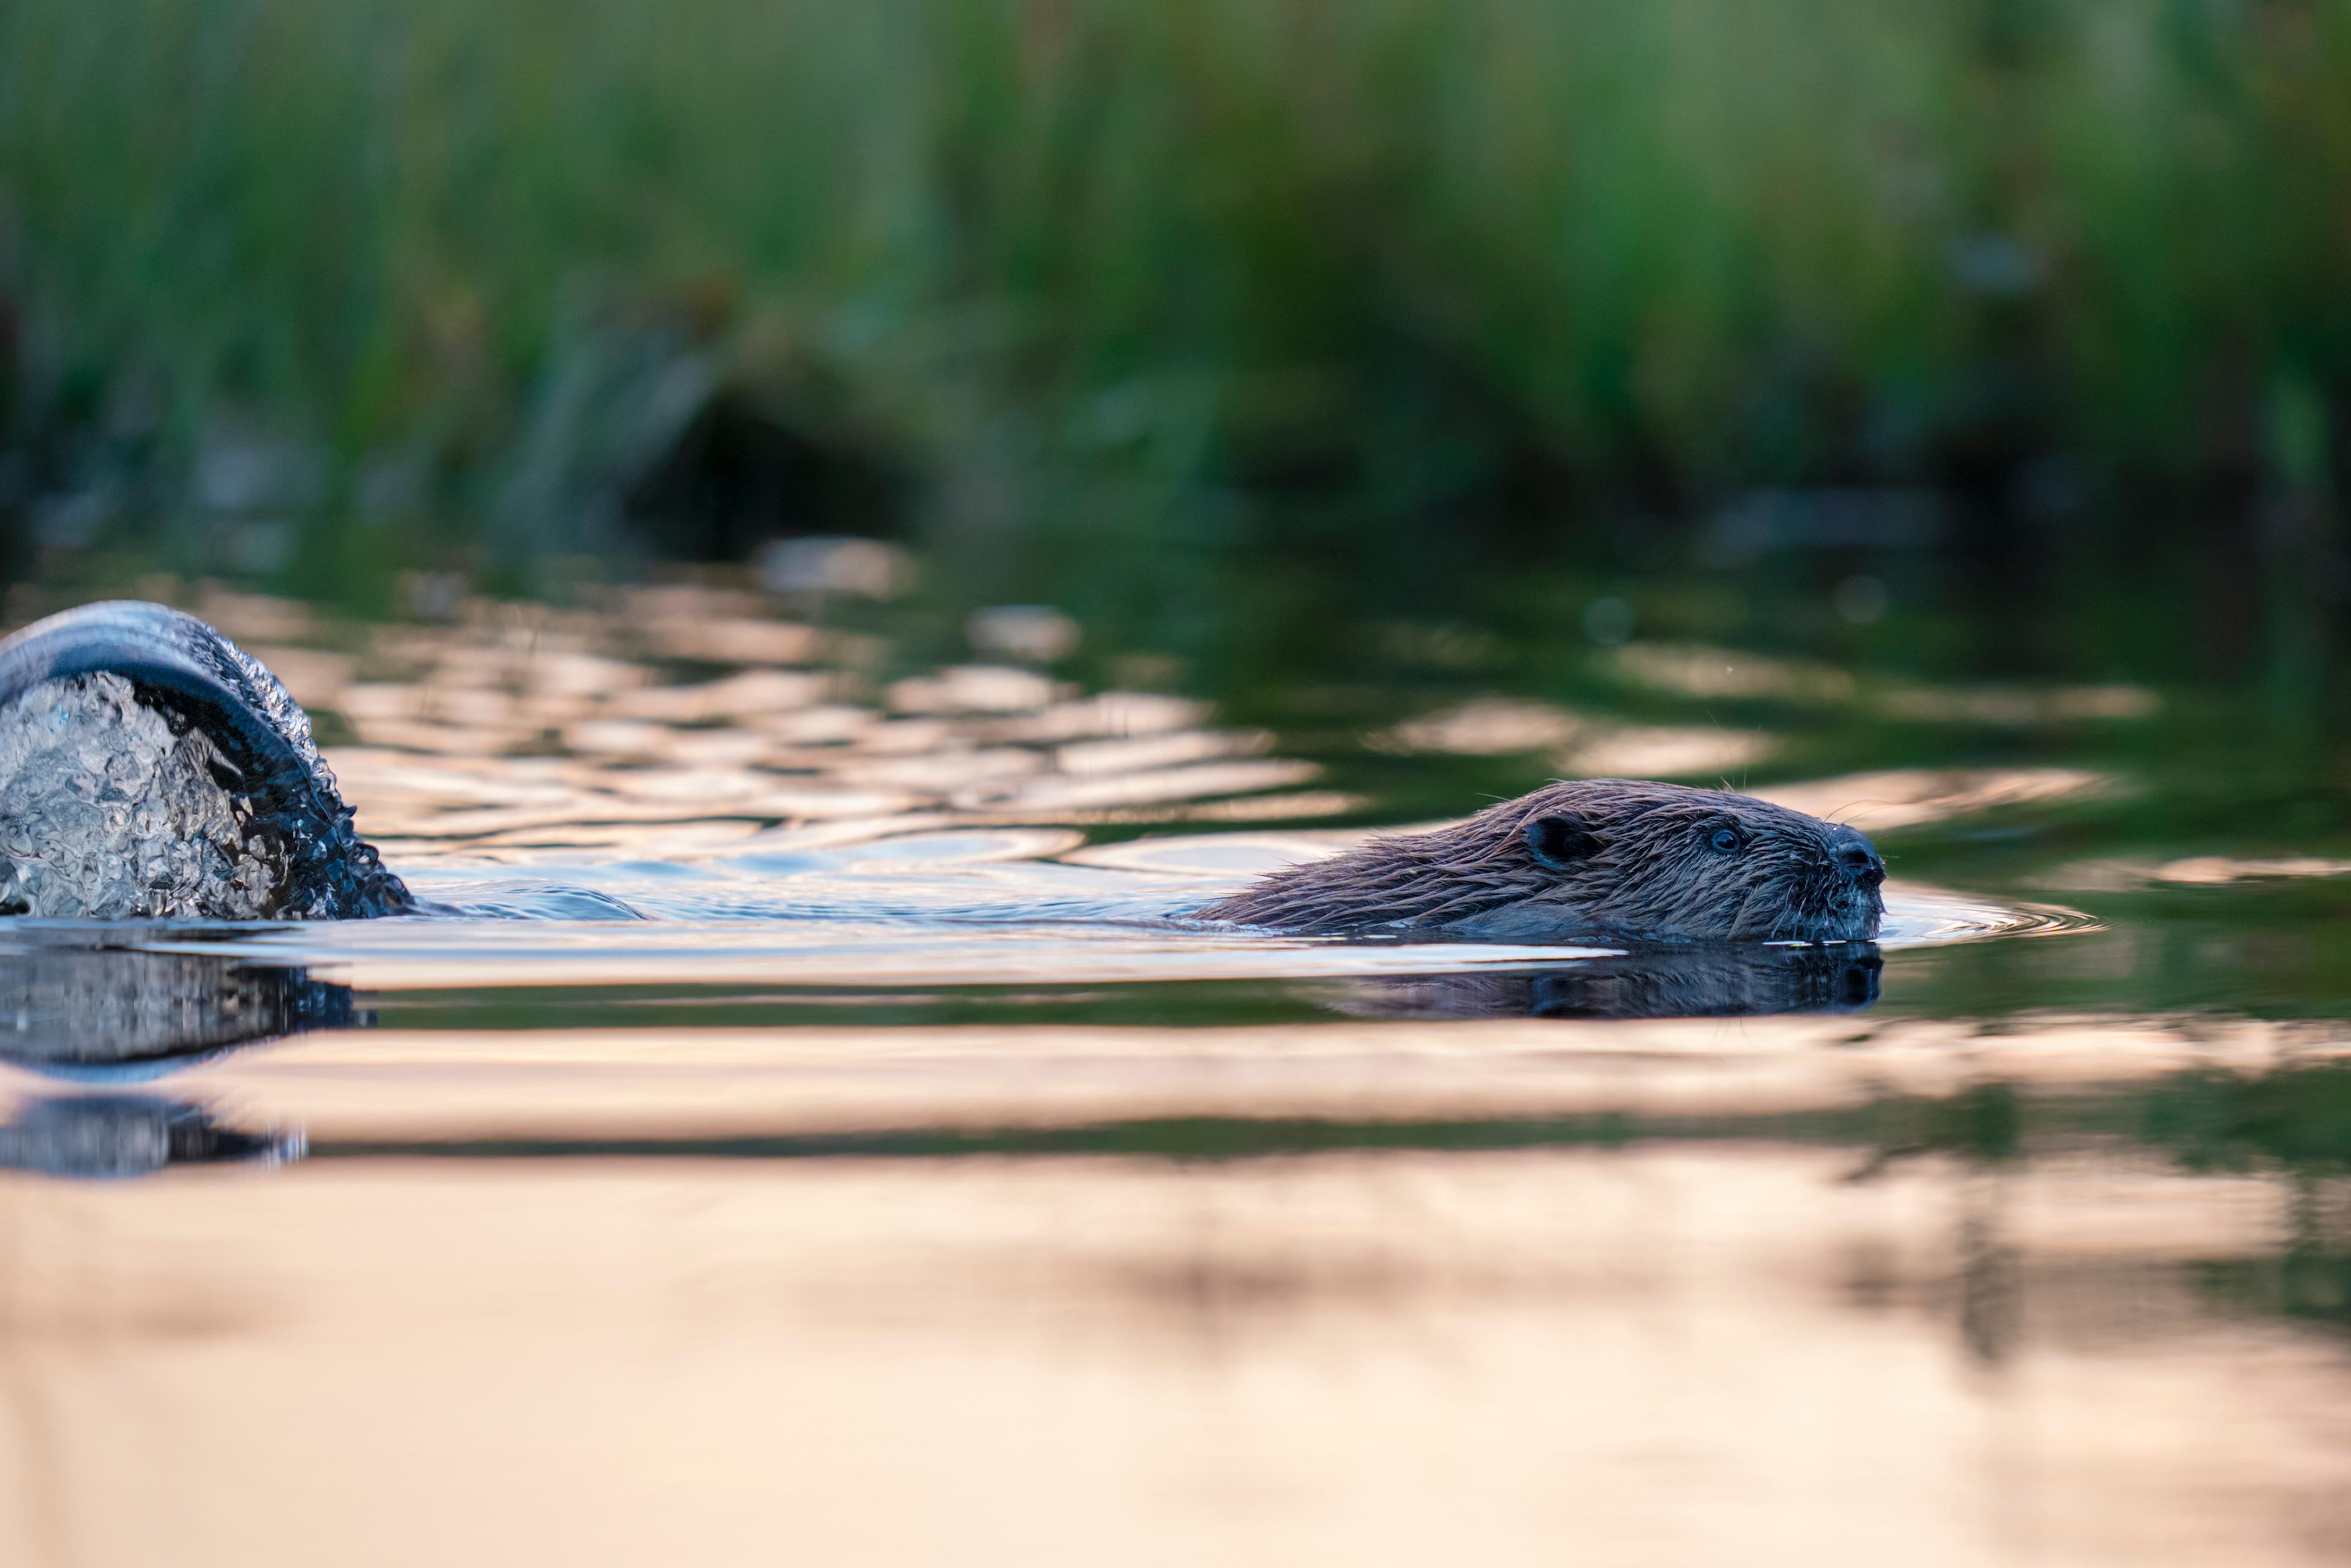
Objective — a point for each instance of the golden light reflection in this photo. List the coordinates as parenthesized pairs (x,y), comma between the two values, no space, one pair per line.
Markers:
(557,1083)
(1674,1355)
(1666,751)
(2204,871)
(2127,874)
(519,727)
(1697,671)
(1485,726)
(1577,744)
(1880,802)
(1701,672)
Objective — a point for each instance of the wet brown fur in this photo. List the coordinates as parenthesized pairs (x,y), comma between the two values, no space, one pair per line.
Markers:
(1644,869)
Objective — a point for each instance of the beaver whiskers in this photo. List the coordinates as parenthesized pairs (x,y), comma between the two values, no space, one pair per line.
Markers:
(1613,858)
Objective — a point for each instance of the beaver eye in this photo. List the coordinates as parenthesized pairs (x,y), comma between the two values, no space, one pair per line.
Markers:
(1725,841)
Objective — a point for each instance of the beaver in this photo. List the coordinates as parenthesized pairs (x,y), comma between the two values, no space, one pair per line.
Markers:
(1612,859)
(149,767)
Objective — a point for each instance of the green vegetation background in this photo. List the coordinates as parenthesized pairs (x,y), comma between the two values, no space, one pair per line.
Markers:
(1113,288)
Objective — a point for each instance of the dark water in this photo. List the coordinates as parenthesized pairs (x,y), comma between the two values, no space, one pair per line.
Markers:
(812,1138)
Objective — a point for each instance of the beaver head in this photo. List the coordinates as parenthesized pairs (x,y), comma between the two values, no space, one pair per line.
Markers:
(1612,858)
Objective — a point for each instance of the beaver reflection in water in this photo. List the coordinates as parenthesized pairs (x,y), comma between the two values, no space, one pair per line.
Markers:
(1744,979)
(1610,858)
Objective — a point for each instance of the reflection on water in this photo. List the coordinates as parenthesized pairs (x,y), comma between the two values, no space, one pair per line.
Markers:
(1706,982)
(74,1006)
(81,1007)
(1672,1354)
(811,1132)
(108,1137)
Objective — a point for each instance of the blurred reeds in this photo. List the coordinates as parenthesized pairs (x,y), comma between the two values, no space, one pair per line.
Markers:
(1385,271)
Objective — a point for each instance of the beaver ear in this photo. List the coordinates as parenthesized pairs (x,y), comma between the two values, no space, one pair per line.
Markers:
(1557,842)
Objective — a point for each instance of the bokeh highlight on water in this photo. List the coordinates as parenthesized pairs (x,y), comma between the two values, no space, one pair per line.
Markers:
(809,1096)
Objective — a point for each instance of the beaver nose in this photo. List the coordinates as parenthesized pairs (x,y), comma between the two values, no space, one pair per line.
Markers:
(1856,857)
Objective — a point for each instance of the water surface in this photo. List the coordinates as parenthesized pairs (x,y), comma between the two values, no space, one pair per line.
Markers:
(812,1130)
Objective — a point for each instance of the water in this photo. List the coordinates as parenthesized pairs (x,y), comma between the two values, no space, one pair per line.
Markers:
(812,1132)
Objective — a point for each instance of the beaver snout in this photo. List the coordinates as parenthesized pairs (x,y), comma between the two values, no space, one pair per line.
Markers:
(1856,857)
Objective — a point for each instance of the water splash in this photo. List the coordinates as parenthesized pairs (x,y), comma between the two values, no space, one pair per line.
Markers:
(151,767)
(106,812)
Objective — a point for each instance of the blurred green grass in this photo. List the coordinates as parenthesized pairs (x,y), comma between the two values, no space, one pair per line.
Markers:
(1098,270)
